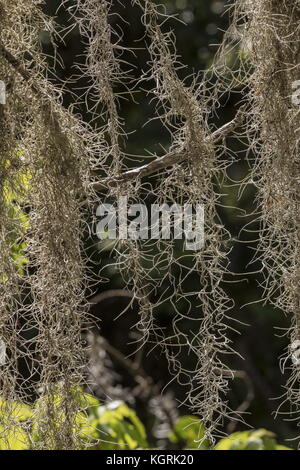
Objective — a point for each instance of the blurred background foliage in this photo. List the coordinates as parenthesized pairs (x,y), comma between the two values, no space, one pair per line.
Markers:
(150,412)
(115,426)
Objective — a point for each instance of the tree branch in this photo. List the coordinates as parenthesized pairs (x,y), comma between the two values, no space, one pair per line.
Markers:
(170,158)
(16,64)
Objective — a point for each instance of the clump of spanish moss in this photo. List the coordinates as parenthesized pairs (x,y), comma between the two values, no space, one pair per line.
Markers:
(183,109)
(271,31)
(45,143)
(260,53)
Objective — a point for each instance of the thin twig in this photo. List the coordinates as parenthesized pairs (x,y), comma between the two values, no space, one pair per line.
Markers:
(132,367)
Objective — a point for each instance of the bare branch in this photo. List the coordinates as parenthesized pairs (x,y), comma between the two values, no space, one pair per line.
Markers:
(170,158)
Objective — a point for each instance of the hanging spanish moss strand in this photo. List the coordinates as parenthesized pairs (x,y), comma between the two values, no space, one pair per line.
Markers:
(103,71)
(103,68)
(10,282)
(184,110)
(57,161)
(272,33)
(13,180)
(58,308)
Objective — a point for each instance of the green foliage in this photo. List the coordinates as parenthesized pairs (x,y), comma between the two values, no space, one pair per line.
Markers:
(250,440)
(53,406)
(15,199)
(13,437)
(191,432)
(115,427)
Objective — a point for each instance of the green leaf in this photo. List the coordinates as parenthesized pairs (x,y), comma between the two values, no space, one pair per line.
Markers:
(190,430)
(13,437)
(118,427)
(16,410)
(260,439)
(15,197)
